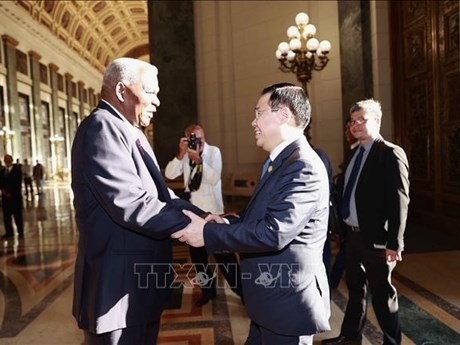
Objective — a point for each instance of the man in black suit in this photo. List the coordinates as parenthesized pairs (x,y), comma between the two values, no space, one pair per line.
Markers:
(10,183)
(374,207)
(280,234)
(124,213)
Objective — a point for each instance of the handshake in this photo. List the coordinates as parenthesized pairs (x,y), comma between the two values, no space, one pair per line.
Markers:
(192,234)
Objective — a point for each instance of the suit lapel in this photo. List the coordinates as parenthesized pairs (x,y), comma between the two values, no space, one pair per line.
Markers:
(163,192)
(274,167)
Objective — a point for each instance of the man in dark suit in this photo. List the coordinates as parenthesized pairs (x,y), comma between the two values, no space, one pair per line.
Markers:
(10,183)
(124,212)
(374,207)
(281,233)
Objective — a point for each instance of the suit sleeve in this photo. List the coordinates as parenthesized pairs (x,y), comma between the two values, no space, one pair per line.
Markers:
(397,190)
(292,202)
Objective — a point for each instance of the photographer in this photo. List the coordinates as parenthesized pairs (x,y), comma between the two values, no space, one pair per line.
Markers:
(201,166)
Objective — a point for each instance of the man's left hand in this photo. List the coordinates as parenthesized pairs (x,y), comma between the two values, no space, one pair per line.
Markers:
(192,234)
(393,255)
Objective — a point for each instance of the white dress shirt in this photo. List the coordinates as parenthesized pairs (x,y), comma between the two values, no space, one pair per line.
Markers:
(209,196)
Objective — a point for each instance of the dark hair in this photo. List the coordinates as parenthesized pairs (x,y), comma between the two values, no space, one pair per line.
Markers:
(293,97)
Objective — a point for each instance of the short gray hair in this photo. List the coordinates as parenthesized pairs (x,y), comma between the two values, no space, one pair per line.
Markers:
(370,106)
(127,70)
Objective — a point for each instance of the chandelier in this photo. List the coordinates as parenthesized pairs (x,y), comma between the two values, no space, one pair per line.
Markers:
(304,53)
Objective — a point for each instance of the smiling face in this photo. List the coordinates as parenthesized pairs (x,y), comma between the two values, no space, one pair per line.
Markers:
(141,99)
(364,126)
(267,124)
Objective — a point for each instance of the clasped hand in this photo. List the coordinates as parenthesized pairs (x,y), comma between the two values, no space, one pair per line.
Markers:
(192,234)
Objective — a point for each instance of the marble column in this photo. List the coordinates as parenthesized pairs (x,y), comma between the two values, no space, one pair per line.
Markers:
(37,105)
(81,98)
(172,50)
(355,54)
(68,117)
(54,113)
(12,117)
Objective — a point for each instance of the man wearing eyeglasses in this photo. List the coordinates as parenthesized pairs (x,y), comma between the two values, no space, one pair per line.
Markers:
(374,207)
(280,234)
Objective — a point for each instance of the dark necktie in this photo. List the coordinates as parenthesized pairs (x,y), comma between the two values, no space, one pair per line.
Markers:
(163,193)
(267,163)
(351,183)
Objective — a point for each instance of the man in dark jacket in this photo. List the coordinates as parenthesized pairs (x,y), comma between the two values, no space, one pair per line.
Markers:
(374,207)
(10,184)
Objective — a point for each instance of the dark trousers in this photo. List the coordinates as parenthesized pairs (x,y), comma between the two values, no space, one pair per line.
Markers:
(28,186)
(262,336)
(339,265)
(12,208)
(139,335)
(367,267)
(228,266)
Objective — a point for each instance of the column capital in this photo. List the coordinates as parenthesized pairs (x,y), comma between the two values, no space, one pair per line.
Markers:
(68,76)
(8,40)
(81,84)
(34,55)
(53,67)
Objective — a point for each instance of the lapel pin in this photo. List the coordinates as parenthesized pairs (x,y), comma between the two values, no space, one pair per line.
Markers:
(270,168)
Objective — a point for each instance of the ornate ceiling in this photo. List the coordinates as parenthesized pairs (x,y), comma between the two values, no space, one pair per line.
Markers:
(98,31)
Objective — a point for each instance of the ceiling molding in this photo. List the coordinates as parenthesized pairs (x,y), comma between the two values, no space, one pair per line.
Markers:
(98,31)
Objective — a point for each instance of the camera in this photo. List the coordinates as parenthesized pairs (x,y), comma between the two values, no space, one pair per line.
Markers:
(193,141)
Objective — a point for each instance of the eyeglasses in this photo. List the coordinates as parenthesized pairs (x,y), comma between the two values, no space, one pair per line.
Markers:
(358,121)
(259,113)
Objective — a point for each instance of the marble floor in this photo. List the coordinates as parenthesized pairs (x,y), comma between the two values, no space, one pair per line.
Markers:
(36,281)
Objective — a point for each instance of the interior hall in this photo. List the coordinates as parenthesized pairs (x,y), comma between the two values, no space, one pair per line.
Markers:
(214,58)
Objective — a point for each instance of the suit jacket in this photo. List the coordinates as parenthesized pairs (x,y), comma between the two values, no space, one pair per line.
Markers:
(382,195)
(280,237)
(125,215)
(11,184)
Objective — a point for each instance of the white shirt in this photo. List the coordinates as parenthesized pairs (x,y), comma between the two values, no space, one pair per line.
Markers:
(209,196)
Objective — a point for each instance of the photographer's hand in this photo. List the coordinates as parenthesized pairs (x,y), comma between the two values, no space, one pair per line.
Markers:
(194,155)
(183,146)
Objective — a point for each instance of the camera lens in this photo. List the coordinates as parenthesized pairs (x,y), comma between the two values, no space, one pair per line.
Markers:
(192,142)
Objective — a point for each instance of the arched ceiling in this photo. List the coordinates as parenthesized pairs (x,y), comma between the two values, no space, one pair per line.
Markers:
(98,31)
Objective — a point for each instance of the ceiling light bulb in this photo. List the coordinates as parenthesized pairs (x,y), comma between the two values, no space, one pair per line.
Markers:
(295,44)
(293,32)
(279,55)
(312,44)
(283,47)
(325,46)
(301,18)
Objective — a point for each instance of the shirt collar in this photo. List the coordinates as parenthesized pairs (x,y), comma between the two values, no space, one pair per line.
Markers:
(133,130)
(368,145)
(277,150)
